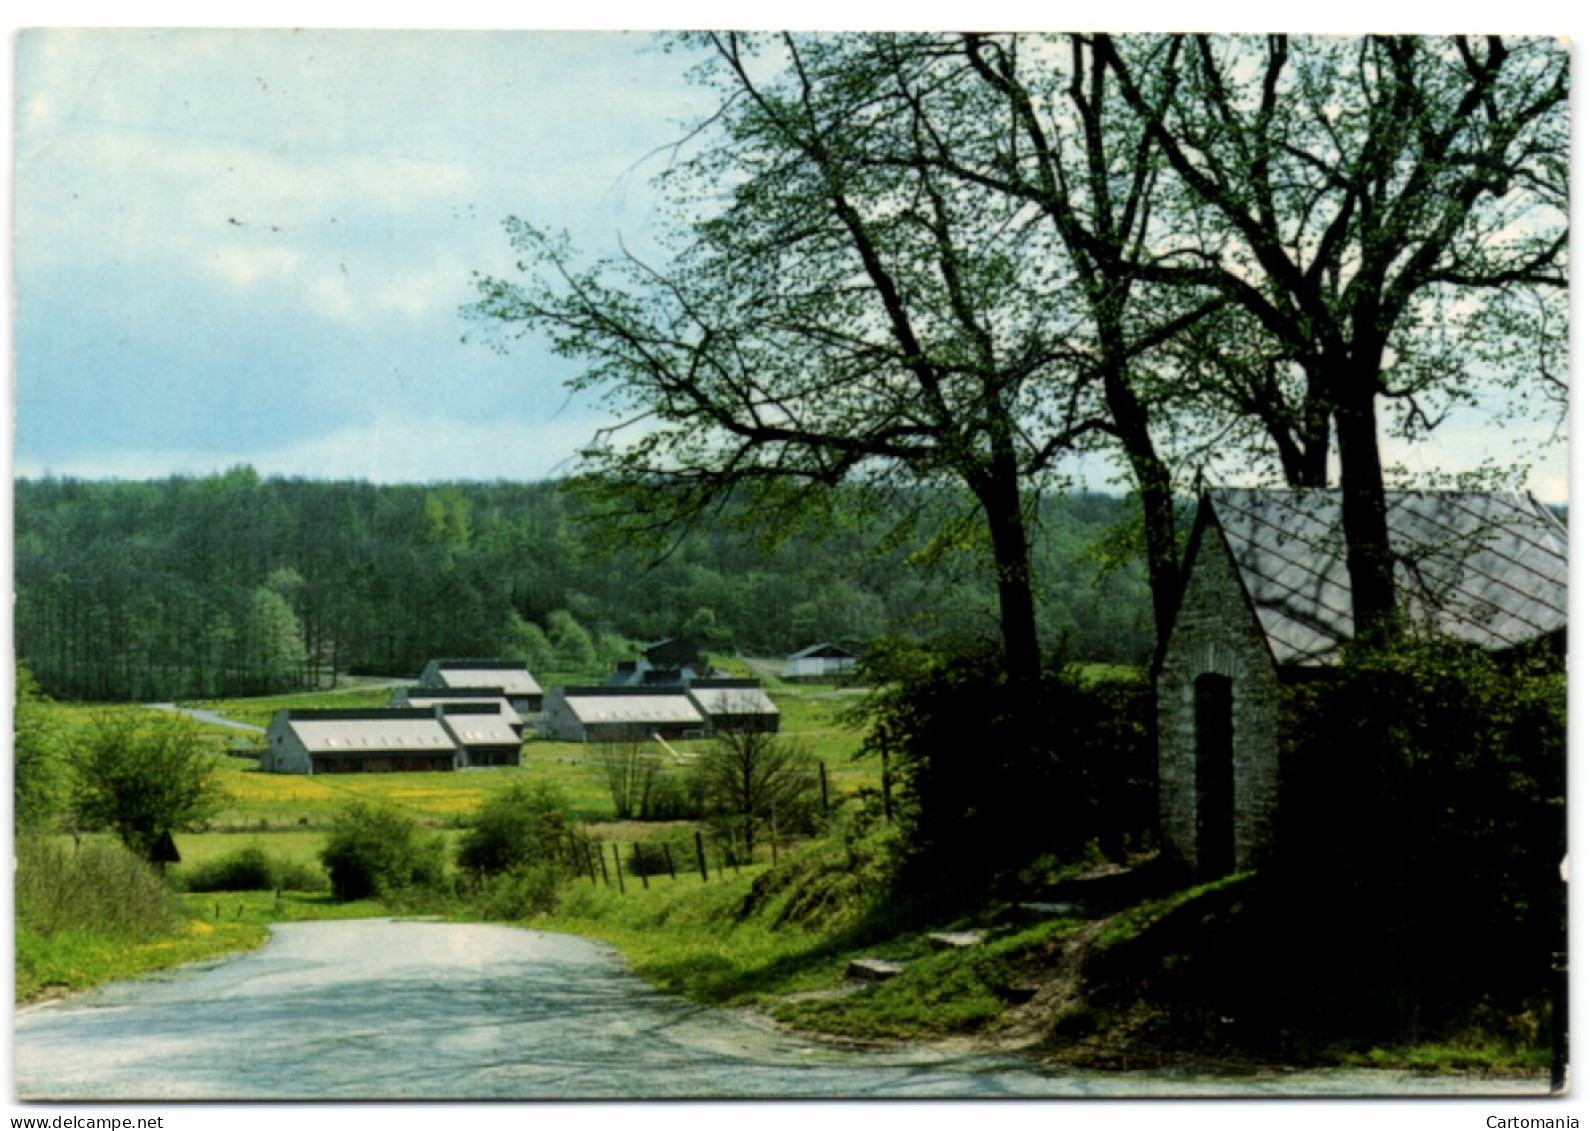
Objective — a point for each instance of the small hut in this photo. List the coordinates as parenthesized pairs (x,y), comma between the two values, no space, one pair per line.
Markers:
(1267,600)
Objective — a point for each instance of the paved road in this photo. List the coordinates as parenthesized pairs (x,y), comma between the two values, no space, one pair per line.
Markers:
(374,1010)
(204,716)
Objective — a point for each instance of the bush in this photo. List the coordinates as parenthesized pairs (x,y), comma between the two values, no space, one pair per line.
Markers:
(97,886)
(253,869)
(986,778)
(1426,804)
(522,892)
(378,852)
(522,826)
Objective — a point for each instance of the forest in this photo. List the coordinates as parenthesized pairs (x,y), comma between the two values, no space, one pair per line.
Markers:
(239,584)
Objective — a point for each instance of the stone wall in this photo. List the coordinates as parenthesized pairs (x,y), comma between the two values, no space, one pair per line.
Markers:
(1216,633)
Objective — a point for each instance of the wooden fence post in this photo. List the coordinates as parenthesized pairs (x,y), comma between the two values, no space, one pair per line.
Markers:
(618,866)
(601,858)
(640,865)
(701,857)
(668,859)
(822,776)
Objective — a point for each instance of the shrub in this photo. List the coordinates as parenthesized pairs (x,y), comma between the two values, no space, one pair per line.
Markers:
(253,869)
(97,886)
(522,892)
(1426,798)
(522,826)
(378,852)
(986,777)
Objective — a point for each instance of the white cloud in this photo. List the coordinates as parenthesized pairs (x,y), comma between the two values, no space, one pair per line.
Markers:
(397,445)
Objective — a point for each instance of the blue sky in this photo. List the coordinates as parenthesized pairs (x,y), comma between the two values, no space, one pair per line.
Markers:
(252,246)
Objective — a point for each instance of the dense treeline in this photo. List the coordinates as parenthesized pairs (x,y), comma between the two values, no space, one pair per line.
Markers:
(235,584)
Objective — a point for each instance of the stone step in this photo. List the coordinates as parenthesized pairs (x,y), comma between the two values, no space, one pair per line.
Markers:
(873,969)
(956,940)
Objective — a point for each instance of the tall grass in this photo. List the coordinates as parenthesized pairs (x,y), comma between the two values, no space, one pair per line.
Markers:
(96,886)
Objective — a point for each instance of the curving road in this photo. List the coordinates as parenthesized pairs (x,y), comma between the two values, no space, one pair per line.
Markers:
(375,1009)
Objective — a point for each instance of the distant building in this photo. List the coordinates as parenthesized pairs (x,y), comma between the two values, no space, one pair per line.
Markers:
(510,677)
(620,714)
(636,714)
(483,736)
(1267,600)
(376,740)
(735,704)
(818,661)
(430,697)
(666,663)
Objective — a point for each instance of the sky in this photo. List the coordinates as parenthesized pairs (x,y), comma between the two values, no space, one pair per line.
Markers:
(252,246)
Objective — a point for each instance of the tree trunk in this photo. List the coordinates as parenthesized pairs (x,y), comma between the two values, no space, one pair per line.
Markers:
(999,492)
(1369,561)
(1156,495)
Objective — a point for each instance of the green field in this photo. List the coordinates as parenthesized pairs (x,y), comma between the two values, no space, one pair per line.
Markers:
(287,808)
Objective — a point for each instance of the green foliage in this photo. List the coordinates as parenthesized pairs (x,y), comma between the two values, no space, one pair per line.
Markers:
(632,772)
(521,827)
(758,778)
(171,614)
(94,885)
(987,777)
(143,777)
(524,891)
(37,772)
(251,868)
(377,852)
(1428,800)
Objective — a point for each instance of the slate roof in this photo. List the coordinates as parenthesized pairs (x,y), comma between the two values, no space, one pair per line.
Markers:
(1490,569)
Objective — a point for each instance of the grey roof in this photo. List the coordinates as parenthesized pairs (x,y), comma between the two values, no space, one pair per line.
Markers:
(825,651)
(644,707)
(509,675)
(719,697)
(350,732)
(480,728)
(1489,569)
(447,696)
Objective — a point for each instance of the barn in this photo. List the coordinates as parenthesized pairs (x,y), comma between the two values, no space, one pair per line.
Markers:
(735,704)
(819,661)
(351,741)
(483,736)
(509,678)
(620,714)
(430,697)
(1266,600)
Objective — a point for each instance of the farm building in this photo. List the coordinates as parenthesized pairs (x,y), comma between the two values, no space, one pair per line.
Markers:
(483,736)
(819,660)
(509,677)
(735,704)
(667,663)
(1266,600)
(376,740)
(430,697)
(620,714)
